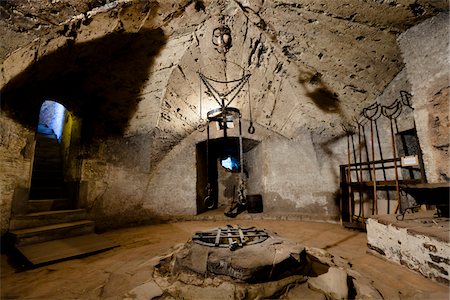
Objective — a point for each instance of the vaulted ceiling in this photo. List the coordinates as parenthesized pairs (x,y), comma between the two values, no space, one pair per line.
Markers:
(313,64)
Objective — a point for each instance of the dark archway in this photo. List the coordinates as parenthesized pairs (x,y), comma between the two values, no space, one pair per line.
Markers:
(209,169)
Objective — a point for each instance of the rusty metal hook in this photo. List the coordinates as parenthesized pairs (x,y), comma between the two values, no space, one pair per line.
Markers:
(372,112)
(392,111)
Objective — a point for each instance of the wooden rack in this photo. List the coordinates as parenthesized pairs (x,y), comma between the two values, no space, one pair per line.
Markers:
(357,194)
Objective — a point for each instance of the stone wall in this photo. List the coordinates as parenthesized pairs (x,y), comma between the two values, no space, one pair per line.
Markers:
(297,176)
(16,156)
(425,50)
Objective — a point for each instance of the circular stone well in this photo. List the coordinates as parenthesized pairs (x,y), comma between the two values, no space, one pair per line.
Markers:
(274,268)
(250,255)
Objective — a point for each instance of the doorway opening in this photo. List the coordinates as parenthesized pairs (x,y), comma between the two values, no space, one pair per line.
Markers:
(407,144)
(51,116)
(218,163)
(52,157)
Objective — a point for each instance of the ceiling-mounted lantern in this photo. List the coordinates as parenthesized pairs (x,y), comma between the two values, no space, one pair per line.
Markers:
(221,38)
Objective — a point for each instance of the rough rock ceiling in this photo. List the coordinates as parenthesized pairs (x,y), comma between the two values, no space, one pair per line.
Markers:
(313,63)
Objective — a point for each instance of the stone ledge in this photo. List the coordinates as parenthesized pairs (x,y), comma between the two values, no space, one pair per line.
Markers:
(420,223)
(420,242)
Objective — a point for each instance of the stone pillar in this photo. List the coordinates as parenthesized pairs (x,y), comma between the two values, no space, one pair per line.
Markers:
(425,50)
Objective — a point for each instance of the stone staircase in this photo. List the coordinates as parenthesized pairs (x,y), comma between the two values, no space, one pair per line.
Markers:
(47,179)
(51,230)
(49,225)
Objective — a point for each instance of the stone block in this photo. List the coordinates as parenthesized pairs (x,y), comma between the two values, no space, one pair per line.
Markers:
(146,291)
(333,283)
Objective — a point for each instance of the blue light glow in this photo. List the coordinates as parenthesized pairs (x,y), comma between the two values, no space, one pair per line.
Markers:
(52,115)
(230,163)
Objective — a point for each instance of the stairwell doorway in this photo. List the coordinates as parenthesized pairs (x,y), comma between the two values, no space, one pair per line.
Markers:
(49,189)
(54,226)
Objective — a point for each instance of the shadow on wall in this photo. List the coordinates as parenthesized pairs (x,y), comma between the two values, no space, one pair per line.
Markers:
(320,94)
(100,81)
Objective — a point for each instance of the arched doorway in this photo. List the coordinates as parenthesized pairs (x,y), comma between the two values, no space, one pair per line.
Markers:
(51,185)
(218,165)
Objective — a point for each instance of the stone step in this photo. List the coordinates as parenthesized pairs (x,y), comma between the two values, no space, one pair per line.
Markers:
(44,178)
(47,174)
(46,218)
(47,181)
(48,142)
(48,185)
(43,170)
(47,191)
(46,150)
(38,162)
(38,172)
(49,145)
(42,205)
(28,236)
(44,128)
(47,134)
(40,156)
(48,164)
(37,193)
(66,248)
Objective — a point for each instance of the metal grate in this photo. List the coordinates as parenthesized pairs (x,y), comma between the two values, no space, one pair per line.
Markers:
(230,237)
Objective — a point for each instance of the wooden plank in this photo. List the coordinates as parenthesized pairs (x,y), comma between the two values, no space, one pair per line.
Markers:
(65,248)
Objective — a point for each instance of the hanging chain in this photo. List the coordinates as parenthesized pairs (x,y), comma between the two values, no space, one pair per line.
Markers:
(201,126)
(242,191)
(251,128)
(200,88)
(239,88)
(211,89)
(208,201)
(218,96)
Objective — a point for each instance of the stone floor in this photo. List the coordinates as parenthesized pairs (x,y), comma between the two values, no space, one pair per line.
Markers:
(111,274)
